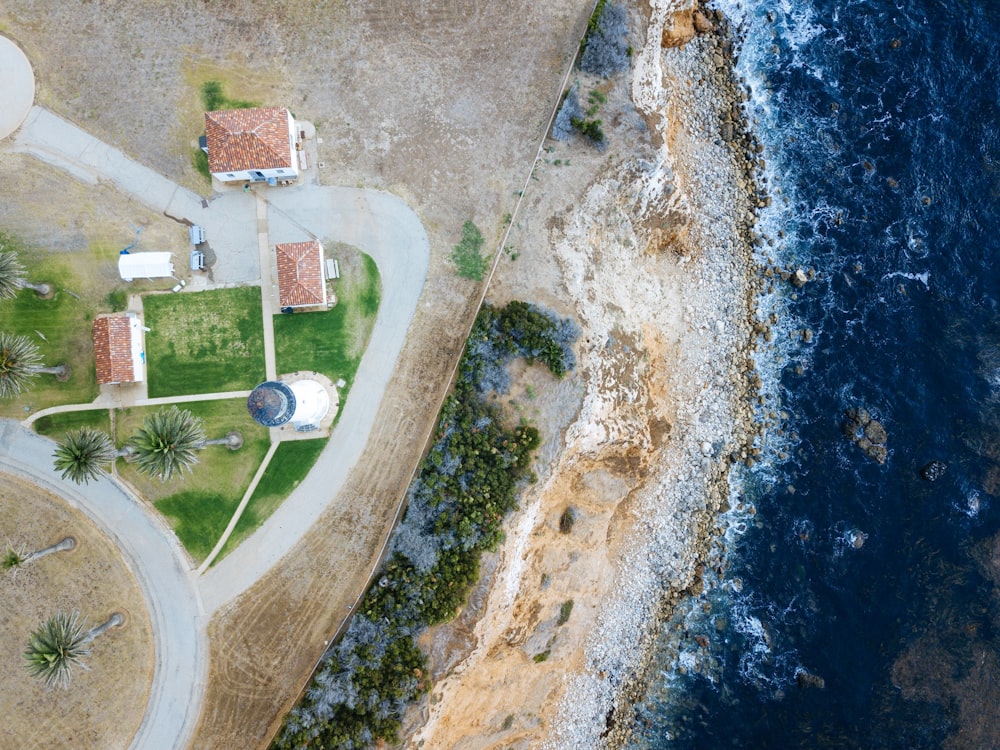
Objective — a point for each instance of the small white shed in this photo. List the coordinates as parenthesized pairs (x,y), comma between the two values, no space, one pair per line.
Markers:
(145,265)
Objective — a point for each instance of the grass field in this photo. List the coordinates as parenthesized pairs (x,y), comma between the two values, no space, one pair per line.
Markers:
(60,327)
(333,341)
(200,504)
(57,425)
(204,342)
(289,466)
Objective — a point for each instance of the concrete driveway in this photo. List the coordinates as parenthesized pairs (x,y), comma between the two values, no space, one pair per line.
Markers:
(153,554)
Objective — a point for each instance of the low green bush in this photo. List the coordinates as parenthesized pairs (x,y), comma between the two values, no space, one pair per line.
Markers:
(464,488)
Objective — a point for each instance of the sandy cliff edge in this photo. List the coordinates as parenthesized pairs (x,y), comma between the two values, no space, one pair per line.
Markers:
(654,256)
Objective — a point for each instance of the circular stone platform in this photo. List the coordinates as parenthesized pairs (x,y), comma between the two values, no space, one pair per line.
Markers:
(17,87)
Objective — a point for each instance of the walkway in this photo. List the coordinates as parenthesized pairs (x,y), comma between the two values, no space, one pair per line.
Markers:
(153,554)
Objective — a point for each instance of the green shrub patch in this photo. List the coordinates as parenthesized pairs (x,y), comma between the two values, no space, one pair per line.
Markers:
(465,487)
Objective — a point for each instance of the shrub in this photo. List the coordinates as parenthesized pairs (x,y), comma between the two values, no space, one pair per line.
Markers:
(606,51)
(566,521)
(467,254)
(214,98)
(562,127)
(564,612)
(117,300)
(464,488)
(519,329)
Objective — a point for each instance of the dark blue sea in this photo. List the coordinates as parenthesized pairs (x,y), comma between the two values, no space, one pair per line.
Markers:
(857,605)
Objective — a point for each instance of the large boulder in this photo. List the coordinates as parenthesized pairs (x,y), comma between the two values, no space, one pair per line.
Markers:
(934,470)
(681,29)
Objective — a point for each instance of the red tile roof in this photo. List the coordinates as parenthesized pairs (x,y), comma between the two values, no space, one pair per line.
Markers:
(300,274)
(113,349)
(242,139)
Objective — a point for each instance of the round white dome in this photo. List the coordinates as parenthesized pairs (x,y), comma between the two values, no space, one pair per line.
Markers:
(312,402)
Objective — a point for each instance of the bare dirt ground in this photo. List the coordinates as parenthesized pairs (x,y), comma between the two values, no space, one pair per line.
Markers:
(105,703)
(442,102)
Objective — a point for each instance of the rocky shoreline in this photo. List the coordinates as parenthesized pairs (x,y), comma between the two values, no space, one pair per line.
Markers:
(657,255)
(633,619)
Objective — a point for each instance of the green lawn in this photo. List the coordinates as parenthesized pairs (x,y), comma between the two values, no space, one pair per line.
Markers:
(60,327)
(332,342)
(57,425)
(204,342)
(199,505)
(289,466)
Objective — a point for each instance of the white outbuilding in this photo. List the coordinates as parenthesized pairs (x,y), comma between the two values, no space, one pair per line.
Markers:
(145,266)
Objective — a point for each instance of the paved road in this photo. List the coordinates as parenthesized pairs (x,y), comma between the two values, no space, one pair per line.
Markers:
(17,87)
(153,554)
(228,218)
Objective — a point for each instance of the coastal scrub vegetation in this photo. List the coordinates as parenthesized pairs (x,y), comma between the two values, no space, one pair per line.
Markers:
(605,50)
(465,486)
(467,255)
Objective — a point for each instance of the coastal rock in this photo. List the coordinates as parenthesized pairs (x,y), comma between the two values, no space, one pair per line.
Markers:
(866,433)
(934,470)
(807,680)
(681,31)
(875,432)
(701,23)
(800,278)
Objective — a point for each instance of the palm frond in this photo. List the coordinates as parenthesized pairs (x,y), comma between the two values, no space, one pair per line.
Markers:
(19,363)
(55,647)
(11,275)
(168,443)
(82,453)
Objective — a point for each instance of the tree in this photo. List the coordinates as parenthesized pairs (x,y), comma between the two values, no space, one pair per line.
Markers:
(167,443)
(20,362)
(12,278)
(82,453)
(15,557)
(59,644)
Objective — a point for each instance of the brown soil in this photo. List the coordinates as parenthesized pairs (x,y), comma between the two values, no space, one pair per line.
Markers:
(105,703)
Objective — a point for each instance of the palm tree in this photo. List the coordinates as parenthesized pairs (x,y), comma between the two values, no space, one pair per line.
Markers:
(20,362)
(167,443)
(17,556)
(59,644)
(233,440)
(12,278)
(81,454)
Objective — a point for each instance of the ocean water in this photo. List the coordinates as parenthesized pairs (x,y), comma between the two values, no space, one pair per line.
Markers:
(858,603)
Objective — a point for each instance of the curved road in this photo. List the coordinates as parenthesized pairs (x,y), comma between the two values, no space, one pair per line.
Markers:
(383,226)
(153,554)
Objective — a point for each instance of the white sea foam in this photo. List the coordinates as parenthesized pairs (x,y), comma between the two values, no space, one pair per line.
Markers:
(924,278)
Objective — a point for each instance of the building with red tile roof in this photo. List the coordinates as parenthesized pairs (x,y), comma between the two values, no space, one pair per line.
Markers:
(300,274)
(118,349)
(251,144)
